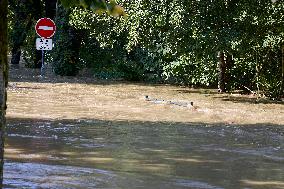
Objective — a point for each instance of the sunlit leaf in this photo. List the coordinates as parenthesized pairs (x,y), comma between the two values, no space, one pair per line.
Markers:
(117,11)
(98,6)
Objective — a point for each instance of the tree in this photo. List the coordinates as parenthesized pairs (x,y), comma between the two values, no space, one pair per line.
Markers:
(3,78)
(25,12)
(183,39)
(50,8)
(111,8)
(67,45)
(68,38)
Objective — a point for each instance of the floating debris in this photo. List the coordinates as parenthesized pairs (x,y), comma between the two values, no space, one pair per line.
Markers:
(170,102)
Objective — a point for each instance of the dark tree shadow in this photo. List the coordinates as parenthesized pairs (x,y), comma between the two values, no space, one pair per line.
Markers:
(23,74)
(197,91)
(248,99)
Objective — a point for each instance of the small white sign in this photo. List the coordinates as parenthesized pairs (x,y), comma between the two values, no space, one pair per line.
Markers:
(43,44)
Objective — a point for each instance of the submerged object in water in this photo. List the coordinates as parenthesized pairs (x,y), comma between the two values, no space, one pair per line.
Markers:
(171,102)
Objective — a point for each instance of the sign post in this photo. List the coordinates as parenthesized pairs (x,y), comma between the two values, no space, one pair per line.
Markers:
(45,28)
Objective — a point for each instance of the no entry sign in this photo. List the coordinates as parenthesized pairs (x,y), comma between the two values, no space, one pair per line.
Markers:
(45,27)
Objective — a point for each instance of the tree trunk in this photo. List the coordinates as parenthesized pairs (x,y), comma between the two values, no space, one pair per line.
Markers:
(25,13)
(22,24)
(16,54)
(37,14)
(257,68)
(282,79)
(3,79)
(50,8)
(76,36)
(228,72)
(50,12)
(68,40)
(37,58)
(221,72)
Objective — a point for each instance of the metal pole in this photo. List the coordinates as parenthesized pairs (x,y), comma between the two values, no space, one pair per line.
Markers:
(42,61)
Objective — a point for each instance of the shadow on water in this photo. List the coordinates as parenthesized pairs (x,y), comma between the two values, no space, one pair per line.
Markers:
(136,154)
(248,100)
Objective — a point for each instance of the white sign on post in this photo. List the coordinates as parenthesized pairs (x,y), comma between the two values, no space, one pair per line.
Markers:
(43,44)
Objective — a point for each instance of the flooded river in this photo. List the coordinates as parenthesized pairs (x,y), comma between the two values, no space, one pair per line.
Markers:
(74,134)
(108,154)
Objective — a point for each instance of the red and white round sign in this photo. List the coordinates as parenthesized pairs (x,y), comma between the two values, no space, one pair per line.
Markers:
(45,27)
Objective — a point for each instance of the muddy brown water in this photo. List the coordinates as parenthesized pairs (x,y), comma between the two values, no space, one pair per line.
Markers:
(83,133)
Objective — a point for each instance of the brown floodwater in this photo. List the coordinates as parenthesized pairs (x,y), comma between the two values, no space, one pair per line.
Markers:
(83,133)
(134,154)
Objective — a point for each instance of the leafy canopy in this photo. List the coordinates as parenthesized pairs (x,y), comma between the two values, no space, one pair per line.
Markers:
(99,6)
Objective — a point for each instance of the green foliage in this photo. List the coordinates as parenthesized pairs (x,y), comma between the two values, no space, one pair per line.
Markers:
(22,17)
(189,71)
(68,38)
(98,6)
(64,55)
(111,52)
(28,49)
(174,41)
(178,41)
